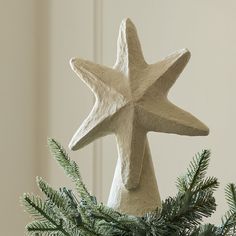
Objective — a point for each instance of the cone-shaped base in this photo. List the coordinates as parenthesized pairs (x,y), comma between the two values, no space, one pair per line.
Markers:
(144,198)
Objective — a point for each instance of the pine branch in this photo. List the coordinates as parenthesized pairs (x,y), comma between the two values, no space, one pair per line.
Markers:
(195,198)
(41,227)
(66,207)
(195,173)
(228,224)
(182,183)
(205,230)
(230,192)
(70,167)
(186,211)
(208,184)
(36,207)
(228,227)
(122,222)
(155,224)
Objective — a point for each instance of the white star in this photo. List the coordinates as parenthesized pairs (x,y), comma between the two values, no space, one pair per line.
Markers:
(131,100)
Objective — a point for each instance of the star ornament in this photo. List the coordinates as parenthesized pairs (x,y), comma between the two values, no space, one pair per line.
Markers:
(131,100)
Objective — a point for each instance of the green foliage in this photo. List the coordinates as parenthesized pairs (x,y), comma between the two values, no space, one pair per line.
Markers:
(62,213)
(228,227)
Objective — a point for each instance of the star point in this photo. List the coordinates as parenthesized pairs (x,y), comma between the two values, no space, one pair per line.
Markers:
(129,51)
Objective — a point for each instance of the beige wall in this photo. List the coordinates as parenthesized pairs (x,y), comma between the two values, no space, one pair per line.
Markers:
(41,97)
(70,34)
(18,53)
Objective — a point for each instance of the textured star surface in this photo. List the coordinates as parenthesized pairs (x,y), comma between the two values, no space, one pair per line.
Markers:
(131,100)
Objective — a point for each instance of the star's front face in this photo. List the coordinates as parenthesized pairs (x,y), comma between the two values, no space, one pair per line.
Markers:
(131,99)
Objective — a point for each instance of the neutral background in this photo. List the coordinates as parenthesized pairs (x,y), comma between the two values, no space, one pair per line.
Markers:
(40,96)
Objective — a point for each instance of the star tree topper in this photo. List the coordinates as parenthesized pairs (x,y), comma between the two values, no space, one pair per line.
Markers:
(131,100)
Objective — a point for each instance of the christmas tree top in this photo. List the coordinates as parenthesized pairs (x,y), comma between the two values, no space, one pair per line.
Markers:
(131,100)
